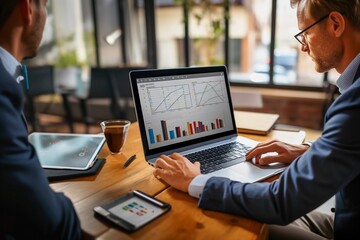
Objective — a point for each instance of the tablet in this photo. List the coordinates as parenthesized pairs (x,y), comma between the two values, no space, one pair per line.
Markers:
(133,210)
(67,150)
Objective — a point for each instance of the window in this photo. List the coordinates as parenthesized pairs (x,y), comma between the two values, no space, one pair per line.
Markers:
(254,38)
(169,34)
(108,33)
(68,37)
(257,52)
(296,68)
(250,31)
(120,32)
(206,24)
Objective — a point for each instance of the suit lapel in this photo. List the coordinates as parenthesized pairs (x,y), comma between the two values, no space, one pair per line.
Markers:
(24,119)
(357,74)
(3,71)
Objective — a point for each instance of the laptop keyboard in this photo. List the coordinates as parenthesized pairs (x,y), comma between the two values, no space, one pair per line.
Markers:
(219,157)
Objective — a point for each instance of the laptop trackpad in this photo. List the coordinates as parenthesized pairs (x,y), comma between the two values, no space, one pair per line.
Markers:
(254,173)
(227,173)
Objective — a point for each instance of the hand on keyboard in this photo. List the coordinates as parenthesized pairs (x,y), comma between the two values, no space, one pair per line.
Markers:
(280,152)
(176,170)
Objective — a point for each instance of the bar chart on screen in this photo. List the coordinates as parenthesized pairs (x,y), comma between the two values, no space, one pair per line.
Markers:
(191,128)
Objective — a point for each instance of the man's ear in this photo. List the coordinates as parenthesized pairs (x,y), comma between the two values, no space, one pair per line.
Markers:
(337,23)
(26,11)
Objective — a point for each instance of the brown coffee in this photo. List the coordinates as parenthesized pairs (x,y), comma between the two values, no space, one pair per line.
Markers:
(115,138)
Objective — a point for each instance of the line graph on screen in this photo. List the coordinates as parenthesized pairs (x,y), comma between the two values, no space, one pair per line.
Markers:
(169,98)
(208,93)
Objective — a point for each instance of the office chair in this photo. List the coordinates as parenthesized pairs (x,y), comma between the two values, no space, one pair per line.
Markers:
(119,76)
(41,82)
(101,87)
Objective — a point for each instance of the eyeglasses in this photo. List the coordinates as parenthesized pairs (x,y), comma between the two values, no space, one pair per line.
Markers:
(301,37)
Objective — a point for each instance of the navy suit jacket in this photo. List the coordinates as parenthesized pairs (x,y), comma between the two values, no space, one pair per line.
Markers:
(29,208)
(330,166)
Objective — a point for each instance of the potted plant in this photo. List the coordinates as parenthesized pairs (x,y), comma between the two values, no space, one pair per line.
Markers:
(211,22)
(68,67)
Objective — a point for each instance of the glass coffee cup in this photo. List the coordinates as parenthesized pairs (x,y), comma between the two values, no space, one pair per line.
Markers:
(115,132)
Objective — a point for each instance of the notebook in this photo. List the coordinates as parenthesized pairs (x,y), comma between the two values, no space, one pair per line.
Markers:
(67,150)
(254,122)
(189,111)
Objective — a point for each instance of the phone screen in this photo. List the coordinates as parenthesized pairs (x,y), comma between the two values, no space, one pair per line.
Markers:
(136,211)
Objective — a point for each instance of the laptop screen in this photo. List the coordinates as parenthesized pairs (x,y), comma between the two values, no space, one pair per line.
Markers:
(177,107)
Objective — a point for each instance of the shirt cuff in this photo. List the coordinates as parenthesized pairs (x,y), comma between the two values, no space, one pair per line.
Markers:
(308,143)
(197,185)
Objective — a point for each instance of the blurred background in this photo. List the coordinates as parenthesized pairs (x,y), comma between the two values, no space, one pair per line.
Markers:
(85,40)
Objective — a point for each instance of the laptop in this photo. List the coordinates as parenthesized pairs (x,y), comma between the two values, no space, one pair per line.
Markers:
(189,111)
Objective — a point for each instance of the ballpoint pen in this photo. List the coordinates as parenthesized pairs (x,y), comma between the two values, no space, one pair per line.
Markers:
(129,161)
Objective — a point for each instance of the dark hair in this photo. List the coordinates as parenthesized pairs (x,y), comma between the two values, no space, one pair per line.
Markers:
(319,8)
(7,7)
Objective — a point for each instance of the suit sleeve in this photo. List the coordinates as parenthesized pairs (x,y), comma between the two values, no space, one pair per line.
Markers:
(29,208)
(331,163)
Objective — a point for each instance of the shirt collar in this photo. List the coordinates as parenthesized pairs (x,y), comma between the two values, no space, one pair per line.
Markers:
(346,78)
(11,65)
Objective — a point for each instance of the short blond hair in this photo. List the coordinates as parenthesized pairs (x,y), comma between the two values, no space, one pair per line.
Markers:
(319,8)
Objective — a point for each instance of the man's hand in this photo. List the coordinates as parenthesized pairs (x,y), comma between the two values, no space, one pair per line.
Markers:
(286,152)
(176,170)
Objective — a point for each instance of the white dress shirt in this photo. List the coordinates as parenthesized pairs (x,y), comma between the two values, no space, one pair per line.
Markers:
(346,78)
(197,185)
(12,66)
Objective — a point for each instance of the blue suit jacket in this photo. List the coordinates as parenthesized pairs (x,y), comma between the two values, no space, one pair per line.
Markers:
(330,166)
(29,208)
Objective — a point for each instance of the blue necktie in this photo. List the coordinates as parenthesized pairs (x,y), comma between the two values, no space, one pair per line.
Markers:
(25,74)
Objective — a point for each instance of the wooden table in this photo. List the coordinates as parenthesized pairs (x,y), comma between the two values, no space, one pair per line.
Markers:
(184,221)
